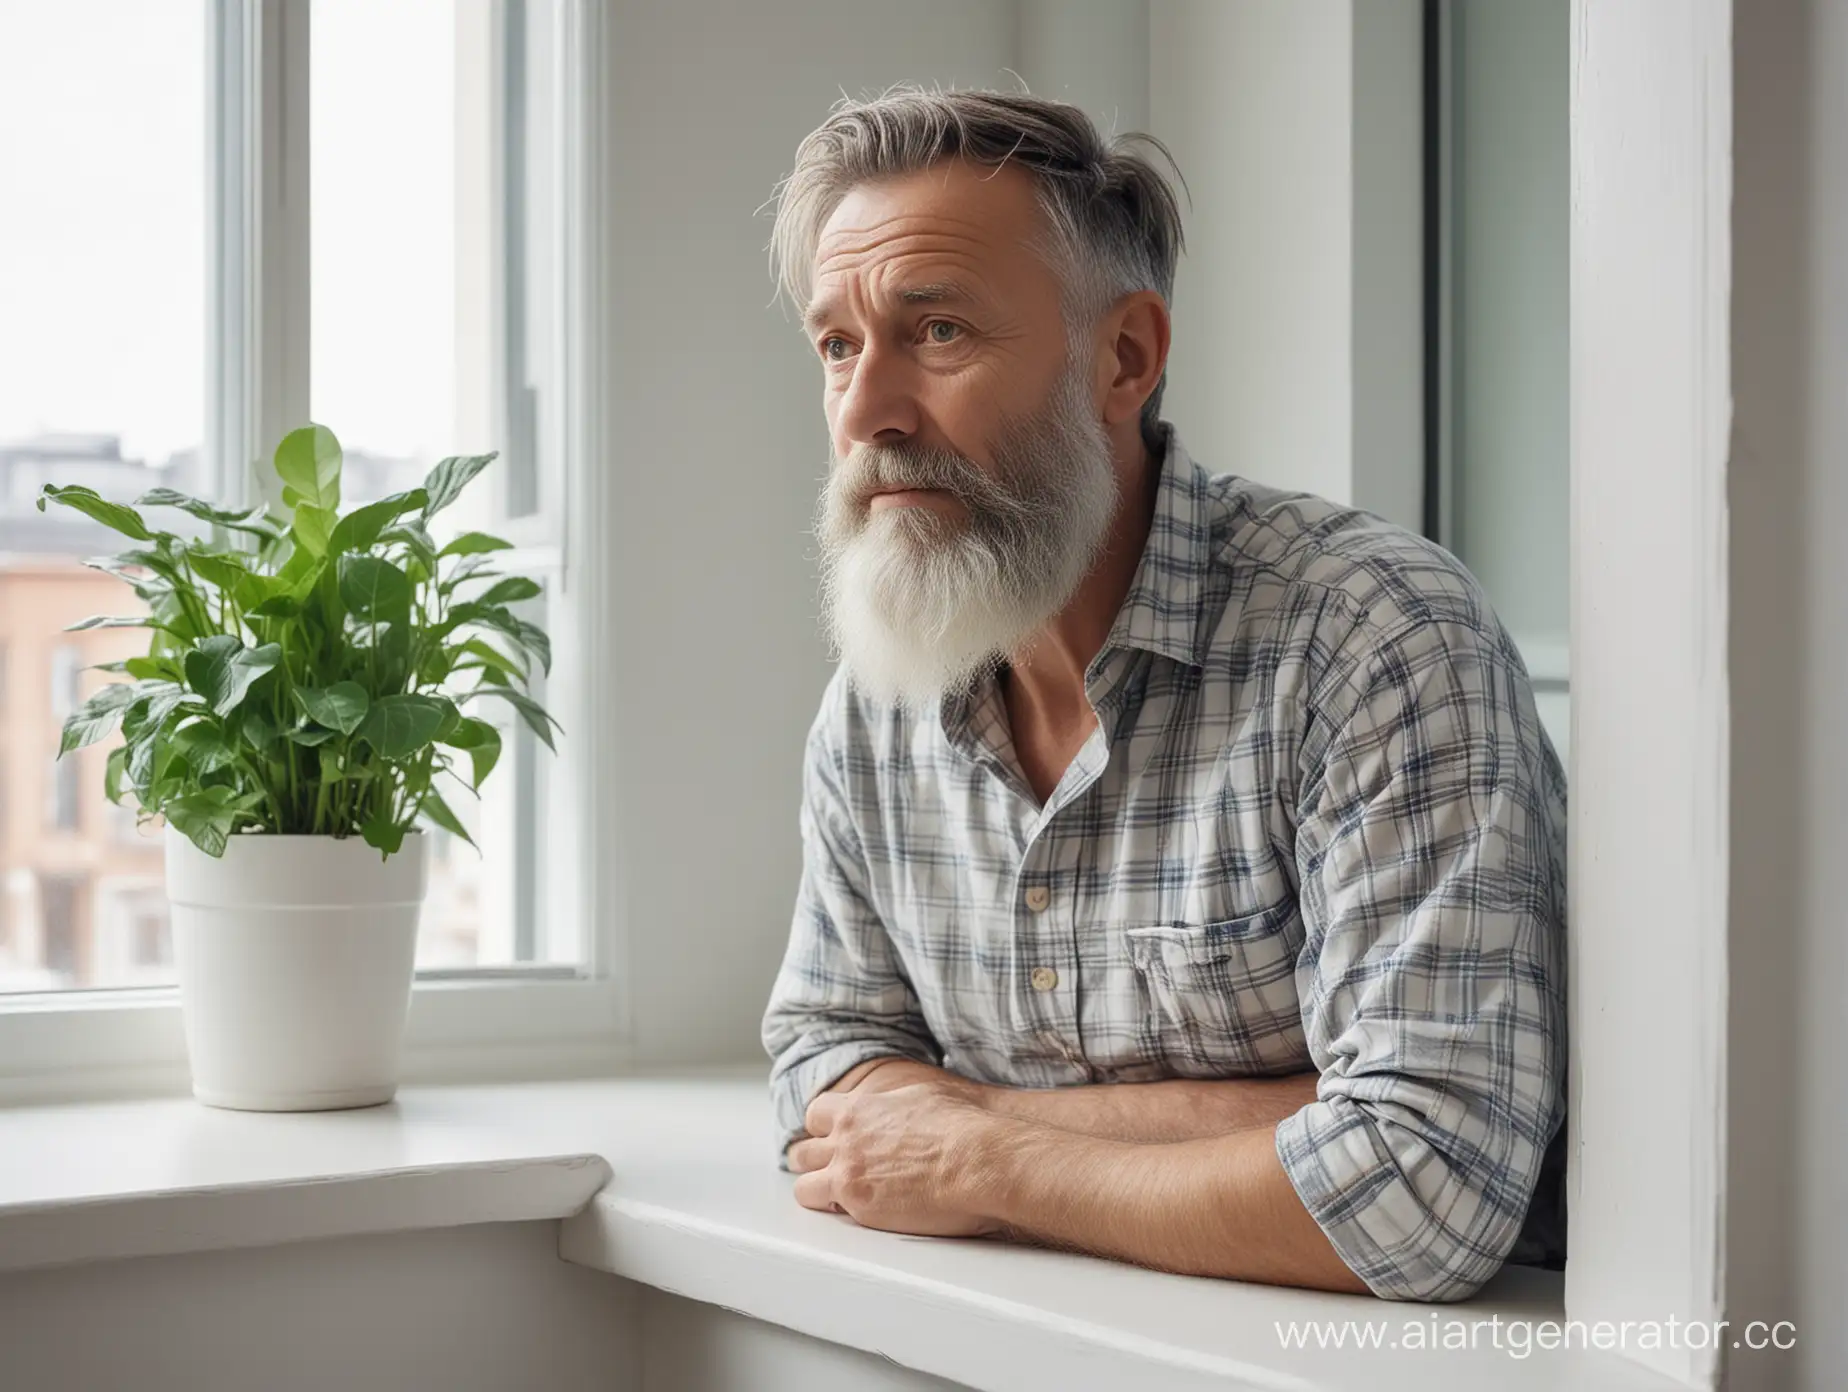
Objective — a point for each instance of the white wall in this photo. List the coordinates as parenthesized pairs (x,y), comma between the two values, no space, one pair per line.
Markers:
(690,1347)
(1091,53)
(1787,1229)
(476,1309)
(1297,341)
(480,1309)
(718,403)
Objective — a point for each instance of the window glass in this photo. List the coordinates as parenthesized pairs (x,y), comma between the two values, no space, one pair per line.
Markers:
(102,382)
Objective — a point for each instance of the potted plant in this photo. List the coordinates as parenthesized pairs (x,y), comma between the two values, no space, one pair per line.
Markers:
(310,677)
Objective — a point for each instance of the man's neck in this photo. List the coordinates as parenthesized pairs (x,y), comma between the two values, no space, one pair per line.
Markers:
(1045,683)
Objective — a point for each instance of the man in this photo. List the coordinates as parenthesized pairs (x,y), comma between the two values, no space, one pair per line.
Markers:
(1184,861)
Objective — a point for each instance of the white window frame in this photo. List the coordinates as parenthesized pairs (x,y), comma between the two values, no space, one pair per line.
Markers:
(514,1022)
(1651,835)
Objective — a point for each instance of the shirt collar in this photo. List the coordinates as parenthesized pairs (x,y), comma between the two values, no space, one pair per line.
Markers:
(1161,612)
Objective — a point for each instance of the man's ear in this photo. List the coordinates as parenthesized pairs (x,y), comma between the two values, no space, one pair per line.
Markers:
(1134,354)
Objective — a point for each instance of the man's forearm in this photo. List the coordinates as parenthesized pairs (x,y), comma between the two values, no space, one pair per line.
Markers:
(1220,1206)
(1178,1109)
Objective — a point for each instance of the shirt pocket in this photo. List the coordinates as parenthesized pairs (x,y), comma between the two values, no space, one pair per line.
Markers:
(1220,999)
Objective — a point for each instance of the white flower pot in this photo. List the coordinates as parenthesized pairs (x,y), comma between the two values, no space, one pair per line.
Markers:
(295,957)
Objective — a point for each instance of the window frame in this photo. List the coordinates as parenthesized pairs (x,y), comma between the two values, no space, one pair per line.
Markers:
(1651,840)
(520,1021)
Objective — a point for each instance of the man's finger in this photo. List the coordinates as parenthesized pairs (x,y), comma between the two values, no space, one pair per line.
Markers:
(811,1153)
(819,1120)
(816,1190)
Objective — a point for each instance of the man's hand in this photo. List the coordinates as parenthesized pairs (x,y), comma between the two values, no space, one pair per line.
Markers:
(910,1159)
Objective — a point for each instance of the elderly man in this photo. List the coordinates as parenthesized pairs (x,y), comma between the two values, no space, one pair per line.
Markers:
(1184,862)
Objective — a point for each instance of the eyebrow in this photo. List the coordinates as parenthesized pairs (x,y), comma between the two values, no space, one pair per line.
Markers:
(934,292)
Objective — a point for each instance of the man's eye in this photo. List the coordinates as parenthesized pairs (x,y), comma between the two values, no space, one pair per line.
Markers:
(943,331)
(835,348)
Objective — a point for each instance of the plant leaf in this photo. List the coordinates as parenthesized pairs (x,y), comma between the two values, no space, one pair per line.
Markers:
(150,748)
(534,639)
(116,516)
(534,714)
(447,480)
(280,606)
(341,706)
(157,700)
(204,818)
(147,582)
(512,589)
(258,728)
(106,621)
(481,741)
(313,528)
(360,528)
(167,497)
(97,717)
(374,589)
(452,717)
(222,570)
(153,668)
(494,660)
(221,670)
(312,736)
(308,461)
(397,726)
(530,637)
(475,544)
(245,520)
(443,816)
(477,567)
(203,746)
(382,834)
(112,773)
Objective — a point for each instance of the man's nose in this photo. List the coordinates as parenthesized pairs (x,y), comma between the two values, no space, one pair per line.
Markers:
(879,405)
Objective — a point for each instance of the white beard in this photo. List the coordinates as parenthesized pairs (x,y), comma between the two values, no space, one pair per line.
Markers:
(920,605)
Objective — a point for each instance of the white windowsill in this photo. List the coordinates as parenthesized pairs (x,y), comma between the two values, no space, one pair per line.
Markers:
(668,1180)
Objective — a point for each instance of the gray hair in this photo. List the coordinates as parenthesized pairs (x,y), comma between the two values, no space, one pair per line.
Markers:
(1113,219)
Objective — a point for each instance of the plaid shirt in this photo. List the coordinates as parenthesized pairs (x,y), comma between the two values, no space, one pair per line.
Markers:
(1318,825)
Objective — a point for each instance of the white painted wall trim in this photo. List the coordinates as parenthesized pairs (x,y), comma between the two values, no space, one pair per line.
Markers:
(695,1205)
(1650,249)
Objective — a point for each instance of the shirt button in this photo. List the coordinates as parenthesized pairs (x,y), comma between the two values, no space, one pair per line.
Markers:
(1044,978)
(1038,898)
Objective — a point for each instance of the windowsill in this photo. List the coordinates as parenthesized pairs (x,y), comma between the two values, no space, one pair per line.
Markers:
(667,1180)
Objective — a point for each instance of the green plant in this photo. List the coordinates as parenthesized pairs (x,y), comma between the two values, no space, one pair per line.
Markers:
(309,677)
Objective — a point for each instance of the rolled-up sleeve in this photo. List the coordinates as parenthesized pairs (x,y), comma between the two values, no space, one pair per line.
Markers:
(1430,855)
(841,996)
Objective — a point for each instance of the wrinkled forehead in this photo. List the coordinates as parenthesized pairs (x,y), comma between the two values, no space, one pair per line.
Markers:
(952,222)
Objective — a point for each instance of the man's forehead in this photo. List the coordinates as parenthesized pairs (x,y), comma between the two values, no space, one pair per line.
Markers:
(952,210)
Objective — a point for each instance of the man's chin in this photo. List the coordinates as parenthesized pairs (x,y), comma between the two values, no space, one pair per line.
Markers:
(887,661)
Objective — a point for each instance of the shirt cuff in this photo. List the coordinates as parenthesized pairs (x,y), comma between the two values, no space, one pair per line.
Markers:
(791,1091)
(1356,1187)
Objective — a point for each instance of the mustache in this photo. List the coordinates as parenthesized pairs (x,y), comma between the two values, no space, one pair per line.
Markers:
(874,469)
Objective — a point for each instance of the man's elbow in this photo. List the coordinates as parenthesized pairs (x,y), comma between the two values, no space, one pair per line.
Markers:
(1415,1216)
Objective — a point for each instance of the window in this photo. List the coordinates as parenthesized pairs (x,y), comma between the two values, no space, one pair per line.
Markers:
(423,222)
(386,216)
(63,947)
(64,806)
(61,807)
(1503,82)
(102,271)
